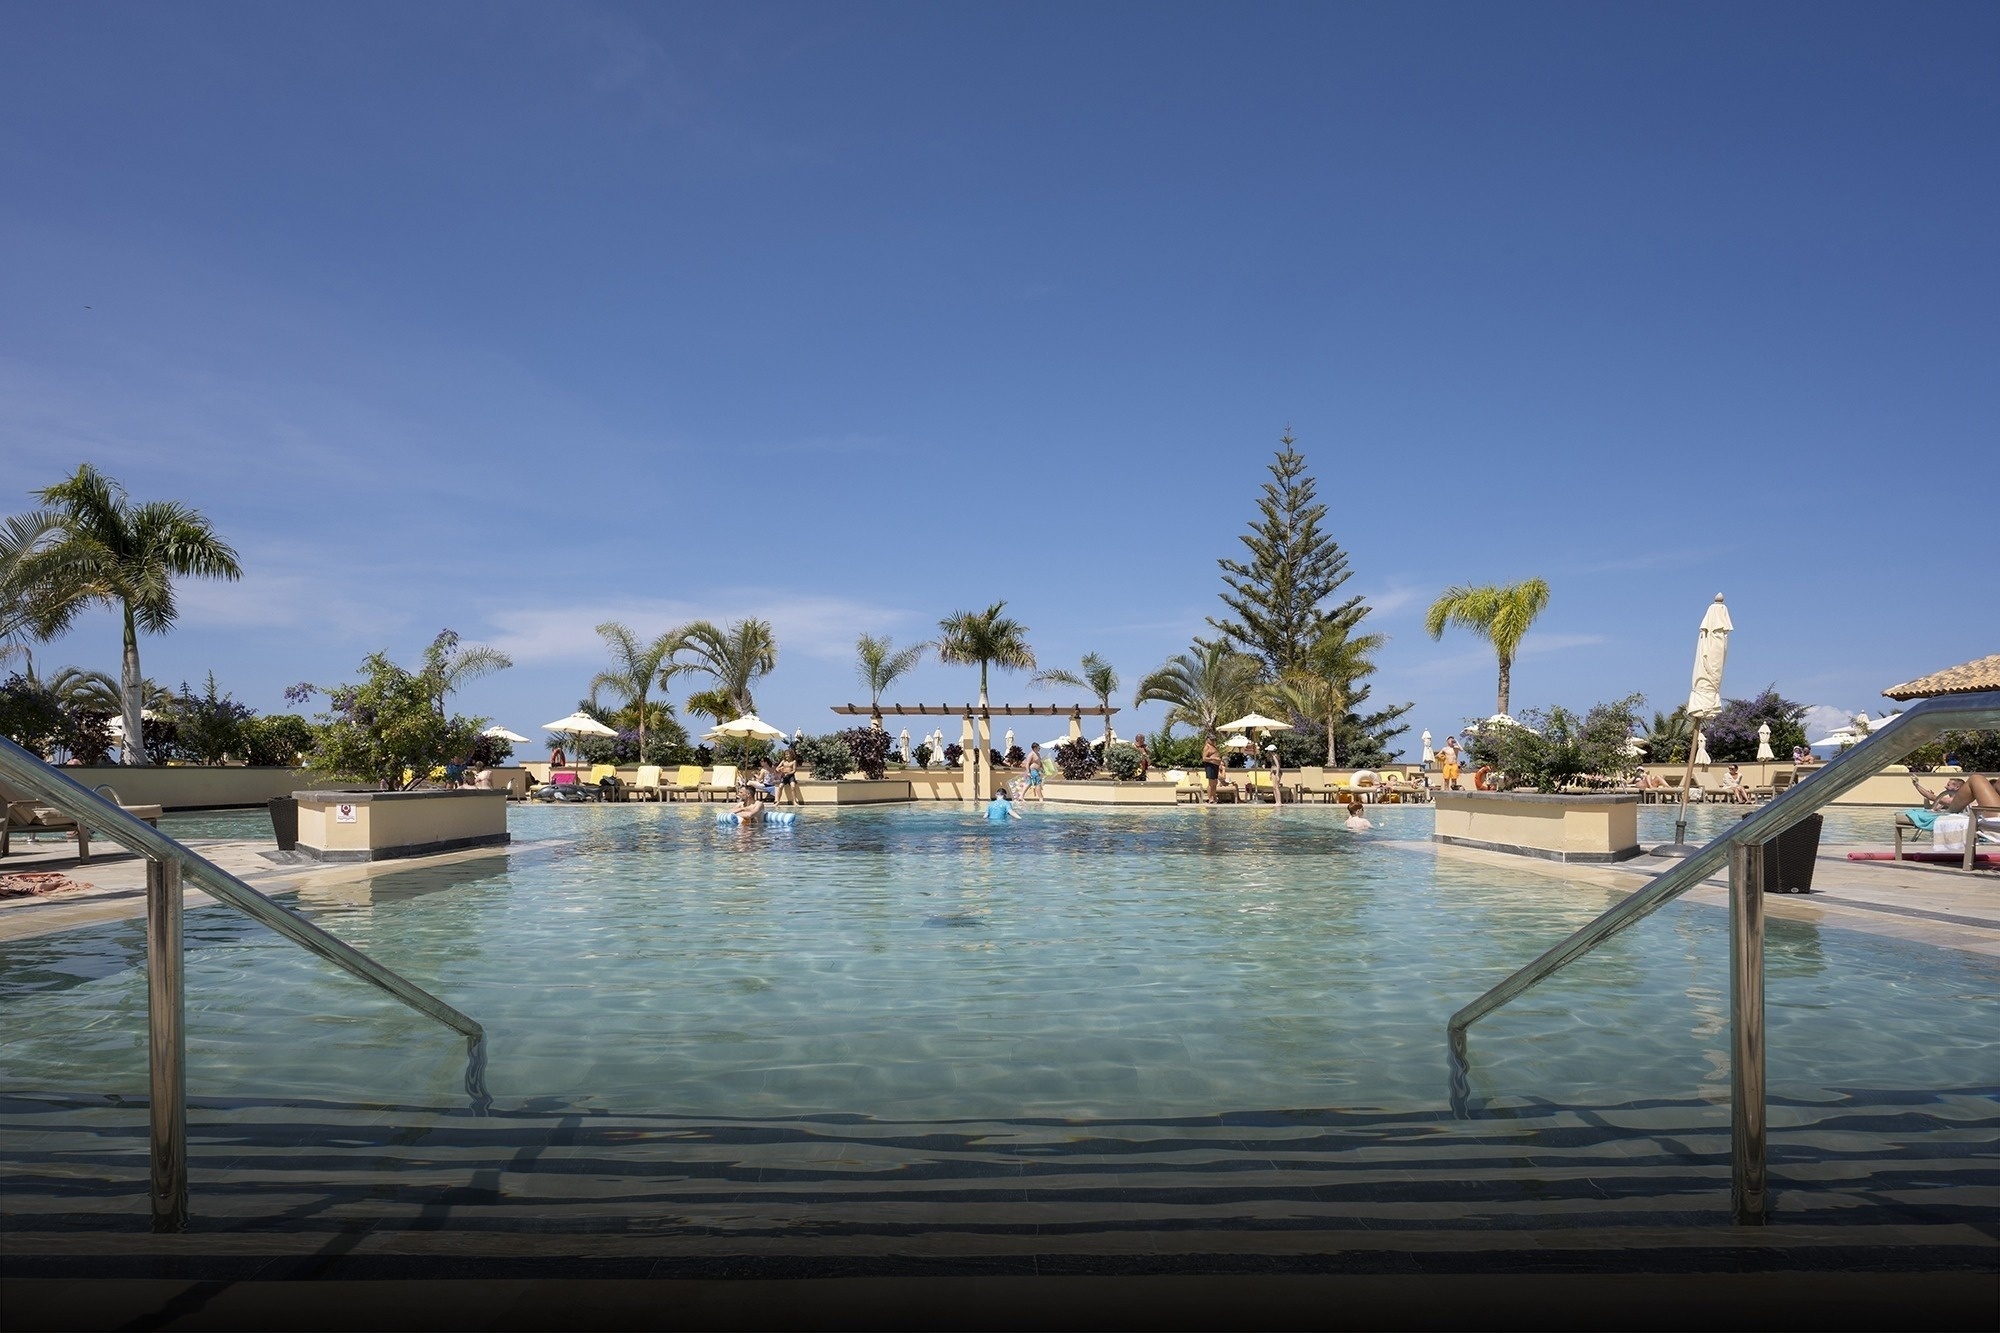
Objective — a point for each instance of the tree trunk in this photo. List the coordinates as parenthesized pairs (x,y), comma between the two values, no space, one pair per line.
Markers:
(642,726)
(1506,684)
(129,692)
(1330,760)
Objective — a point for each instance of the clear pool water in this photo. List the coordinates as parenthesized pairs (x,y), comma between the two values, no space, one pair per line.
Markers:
(914,962)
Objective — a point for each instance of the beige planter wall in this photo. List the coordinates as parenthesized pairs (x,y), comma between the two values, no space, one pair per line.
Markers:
(1106,793)
(178,788)
(387,825)
(1557,828)
(853,792)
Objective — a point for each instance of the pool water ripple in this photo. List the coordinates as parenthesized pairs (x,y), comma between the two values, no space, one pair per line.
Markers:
(918,964)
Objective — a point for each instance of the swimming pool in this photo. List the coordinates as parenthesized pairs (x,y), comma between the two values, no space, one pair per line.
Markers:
(916,963)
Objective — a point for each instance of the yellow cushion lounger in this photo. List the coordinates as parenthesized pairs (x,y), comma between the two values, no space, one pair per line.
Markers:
(687,783)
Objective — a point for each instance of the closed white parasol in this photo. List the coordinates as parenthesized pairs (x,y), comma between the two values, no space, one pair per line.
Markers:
(1428,754)
(1764,742)
(1711,650)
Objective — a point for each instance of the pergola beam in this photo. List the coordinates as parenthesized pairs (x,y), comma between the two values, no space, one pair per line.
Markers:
(974,710)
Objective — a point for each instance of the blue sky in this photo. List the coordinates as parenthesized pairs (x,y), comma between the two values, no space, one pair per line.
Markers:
(515,318)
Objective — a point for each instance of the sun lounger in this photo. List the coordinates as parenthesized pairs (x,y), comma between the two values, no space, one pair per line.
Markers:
(26,814)
(723,784)
(686,784)
(1952,836)
(645,784)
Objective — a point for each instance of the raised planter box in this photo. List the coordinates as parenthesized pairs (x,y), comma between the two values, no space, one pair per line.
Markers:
(384,825)
(1105,791)
(1554,828)
(853,791)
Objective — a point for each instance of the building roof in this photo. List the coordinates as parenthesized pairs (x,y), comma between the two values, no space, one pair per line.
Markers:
(1981,673)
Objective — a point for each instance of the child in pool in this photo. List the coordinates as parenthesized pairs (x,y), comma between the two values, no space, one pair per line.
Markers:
(1356,822)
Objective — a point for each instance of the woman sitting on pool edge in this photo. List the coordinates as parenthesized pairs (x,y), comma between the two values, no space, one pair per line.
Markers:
(749,808)
(1000,809)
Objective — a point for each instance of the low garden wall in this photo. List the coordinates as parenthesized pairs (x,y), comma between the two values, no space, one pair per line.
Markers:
(175,787)
(853,791)
(1554,828)
(1105,791)
(385,825)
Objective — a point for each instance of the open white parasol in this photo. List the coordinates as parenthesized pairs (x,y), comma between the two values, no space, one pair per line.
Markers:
(578,724)
(749,725)
(502,734)
(1256,721)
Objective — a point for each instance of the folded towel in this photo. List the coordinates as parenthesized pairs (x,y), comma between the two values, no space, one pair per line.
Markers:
(1923,819)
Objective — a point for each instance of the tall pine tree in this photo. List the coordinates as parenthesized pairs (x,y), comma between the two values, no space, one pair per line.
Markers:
(1278,600)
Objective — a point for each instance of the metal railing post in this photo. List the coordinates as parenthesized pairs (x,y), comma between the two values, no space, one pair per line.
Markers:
(166,1014)
(1748,1193)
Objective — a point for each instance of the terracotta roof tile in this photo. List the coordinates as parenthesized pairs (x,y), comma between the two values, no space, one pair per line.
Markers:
(1979,674)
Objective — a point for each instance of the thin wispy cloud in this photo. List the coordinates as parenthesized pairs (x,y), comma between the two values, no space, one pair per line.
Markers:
(820,627)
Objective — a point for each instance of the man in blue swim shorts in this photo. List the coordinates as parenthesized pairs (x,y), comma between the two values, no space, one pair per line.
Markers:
(1035,769)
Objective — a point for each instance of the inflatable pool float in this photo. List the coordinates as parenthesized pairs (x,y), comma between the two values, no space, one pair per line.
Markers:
(775,818)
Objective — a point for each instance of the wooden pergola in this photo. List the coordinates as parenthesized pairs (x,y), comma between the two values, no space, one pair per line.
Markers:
(974,710)
(977,762)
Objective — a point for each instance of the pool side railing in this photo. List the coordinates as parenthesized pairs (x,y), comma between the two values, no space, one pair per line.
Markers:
(1741,850)
(168,863)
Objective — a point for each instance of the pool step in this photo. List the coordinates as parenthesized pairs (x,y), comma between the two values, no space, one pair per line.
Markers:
(1858,1181)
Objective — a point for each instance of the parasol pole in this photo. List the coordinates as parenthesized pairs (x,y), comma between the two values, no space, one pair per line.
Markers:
(1681,823)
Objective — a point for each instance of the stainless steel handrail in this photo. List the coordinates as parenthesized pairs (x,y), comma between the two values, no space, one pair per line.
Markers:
(166,862)
(1741,848)
(66,794)
(1921,724)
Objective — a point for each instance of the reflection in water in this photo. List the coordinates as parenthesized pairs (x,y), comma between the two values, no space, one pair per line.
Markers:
(912,963)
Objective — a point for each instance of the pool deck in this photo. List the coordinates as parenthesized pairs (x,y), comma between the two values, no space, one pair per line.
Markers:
(1940,906)
(114,883)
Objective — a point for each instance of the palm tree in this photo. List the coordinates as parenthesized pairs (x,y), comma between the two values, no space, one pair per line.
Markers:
(878,662)
(458,667)
(1202,686)
(636,667)
(1320,689)
(95,692)
(108,551)
(21,607)
(735,658)
(1096,676)
(987,639)
(1498,614)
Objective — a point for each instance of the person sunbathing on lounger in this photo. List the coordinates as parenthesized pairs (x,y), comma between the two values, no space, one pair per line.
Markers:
(1958,793)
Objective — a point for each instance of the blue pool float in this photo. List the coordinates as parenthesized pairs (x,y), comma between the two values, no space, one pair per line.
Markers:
(775,818)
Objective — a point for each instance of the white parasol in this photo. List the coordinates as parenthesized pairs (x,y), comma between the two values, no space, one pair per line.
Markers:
(1428,754)
(502,734)
(1710,652)
(749,725)
(1256,720)
(1007,746)
(1701,750)
(578,724)
(1238,742)
(906,742)
(1764,742)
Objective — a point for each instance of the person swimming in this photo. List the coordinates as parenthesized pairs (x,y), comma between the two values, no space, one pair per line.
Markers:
(1356,821)
(1001,809)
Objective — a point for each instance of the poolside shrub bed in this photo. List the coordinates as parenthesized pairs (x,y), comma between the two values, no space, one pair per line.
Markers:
(827,758)
(868,750)
(1077,759)
(1125,762)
